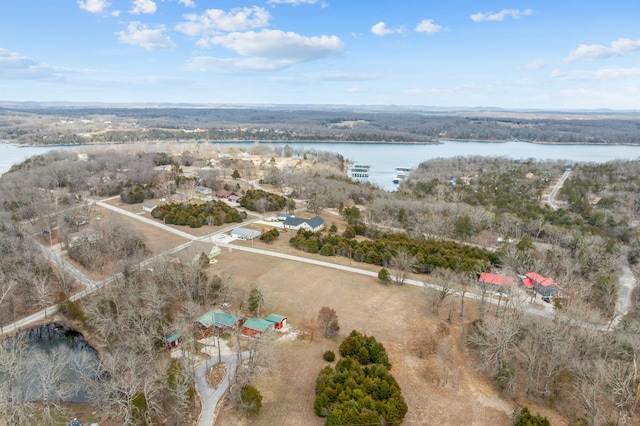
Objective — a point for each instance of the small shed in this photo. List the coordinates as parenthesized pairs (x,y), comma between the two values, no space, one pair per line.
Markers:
(245,233)
(278,321)
(254,327)
(148,207)
(173,341)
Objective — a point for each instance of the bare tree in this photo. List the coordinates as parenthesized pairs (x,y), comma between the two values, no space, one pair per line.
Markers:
(402,263)
(328,322)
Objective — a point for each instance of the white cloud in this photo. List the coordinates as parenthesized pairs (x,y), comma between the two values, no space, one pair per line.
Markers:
(535,64)
(93,6)
(342,76)
(187,3)
(210,64)
(148,7)
(427,26)
(598,51)
(615,73)
(17,67)
(216,20)
(279,45)
(138,34)
(380,29)
(490,16)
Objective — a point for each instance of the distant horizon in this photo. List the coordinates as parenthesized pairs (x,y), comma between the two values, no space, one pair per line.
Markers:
(559,56)
(364,107)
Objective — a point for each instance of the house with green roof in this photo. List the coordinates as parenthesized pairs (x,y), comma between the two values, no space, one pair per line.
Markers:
(219,321)
(279,321)
(255,327)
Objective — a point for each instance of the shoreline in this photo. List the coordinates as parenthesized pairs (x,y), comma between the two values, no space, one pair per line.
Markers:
(438,142)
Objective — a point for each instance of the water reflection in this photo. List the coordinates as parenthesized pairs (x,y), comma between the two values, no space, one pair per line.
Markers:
(49,362)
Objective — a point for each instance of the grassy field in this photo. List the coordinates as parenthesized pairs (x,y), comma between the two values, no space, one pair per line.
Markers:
(430,361)
(441,387)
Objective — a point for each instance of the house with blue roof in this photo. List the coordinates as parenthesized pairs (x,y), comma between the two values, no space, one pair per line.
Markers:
(314,224)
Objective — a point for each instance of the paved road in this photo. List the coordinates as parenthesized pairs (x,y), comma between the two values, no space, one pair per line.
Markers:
(626,284)
(556,188)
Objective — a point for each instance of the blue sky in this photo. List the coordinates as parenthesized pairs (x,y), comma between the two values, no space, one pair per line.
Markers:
(511,54)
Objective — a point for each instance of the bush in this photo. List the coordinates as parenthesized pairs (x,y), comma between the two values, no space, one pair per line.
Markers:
(329,356)
(251,400)
(525,418)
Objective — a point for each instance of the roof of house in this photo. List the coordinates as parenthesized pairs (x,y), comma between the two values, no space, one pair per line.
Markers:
(543,281)
(315,221)
(526,281)
(537,278)
(294,221)
(223,193)
(246,232)
(192,252)
(218,318)
(275,318)
(258,324)
(495,279)
(173,337)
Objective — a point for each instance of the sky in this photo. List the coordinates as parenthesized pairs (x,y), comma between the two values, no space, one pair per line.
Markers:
(535,54)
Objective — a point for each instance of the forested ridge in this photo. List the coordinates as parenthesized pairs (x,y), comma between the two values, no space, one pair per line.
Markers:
(74,125)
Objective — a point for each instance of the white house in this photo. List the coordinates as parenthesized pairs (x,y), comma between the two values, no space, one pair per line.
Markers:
(314,224)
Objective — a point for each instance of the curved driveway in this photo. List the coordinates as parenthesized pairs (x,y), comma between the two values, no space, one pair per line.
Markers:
(209,396)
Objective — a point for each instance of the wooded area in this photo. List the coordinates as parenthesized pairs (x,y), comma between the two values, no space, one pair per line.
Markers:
(91,125)
(580,359)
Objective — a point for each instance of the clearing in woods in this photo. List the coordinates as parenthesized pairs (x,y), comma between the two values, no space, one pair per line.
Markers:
(441,387)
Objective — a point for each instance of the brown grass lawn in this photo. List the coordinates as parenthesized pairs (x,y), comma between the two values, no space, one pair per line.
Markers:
(438,380)
(442,388)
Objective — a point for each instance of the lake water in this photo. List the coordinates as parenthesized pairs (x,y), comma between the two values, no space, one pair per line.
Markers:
(385,157)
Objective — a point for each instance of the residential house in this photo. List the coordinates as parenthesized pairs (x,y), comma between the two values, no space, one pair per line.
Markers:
(314,224)
(254,327)
(203,190)
(217,321)
(192,254)
(496,283)
(234,198)
(278,321)
(542,285)
(223,193)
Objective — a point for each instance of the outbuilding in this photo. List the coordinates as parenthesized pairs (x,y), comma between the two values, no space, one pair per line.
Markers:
(245,233)
(278,321)
(254,327)
(173,341)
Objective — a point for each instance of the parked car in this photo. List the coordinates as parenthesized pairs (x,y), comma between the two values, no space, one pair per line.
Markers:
(546,299)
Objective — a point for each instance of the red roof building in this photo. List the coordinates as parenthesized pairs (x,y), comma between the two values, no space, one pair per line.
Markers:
(499,283)
(544,286)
